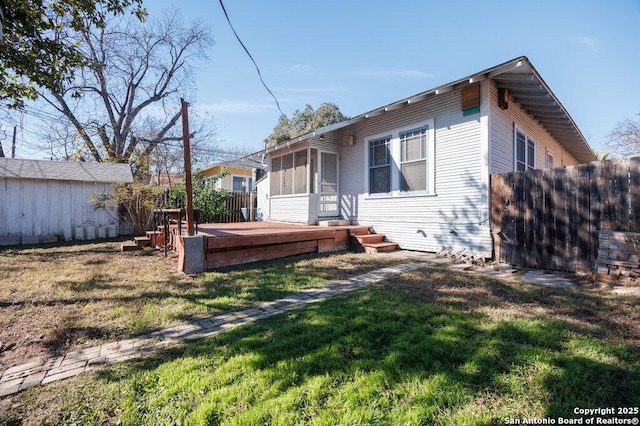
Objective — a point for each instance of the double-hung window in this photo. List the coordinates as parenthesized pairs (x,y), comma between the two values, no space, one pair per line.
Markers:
(379,165)
(413,159)
(525,152)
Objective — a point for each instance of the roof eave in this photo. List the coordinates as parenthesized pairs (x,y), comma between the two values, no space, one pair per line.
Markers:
(521,69)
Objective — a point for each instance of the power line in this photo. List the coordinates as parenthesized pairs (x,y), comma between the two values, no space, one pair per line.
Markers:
(251,57)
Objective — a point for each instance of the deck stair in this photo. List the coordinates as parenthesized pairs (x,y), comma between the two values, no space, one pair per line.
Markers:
(130,246)
(373,243)
(142,241)
(155,237)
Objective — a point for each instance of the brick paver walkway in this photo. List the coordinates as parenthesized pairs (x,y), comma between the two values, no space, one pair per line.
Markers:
(43,371)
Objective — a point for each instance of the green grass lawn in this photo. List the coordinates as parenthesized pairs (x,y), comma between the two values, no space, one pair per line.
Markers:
(431,347)
(58,298)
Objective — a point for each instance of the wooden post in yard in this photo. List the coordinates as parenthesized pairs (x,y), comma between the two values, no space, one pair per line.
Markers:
(187,168)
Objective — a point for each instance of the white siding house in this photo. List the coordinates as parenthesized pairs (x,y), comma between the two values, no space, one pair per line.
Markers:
(45,200)
(417,170)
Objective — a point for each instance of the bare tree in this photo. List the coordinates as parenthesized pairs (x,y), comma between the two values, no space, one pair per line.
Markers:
(624,139)
(126,103)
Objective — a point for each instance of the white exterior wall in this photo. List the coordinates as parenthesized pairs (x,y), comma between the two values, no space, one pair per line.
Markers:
(456,215)
(262,193)
(299,208)
(501,136)
(30,207)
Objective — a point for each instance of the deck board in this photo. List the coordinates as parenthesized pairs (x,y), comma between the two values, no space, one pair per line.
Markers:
(237,243)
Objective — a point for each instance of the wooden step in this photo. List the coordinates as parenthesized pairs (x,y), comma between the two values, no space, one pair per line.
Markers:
(362,230)
(156,238)
(130,246)
(142,241)
(334,222)
(373,248)
(370,238)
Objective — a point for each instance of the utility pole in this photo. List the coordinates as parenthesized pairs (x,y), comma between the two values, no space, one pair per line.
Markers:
(187,167)
(13,144)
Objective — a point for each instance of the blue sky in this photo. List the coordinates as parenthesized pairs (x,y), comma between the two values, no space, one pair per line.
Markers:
(361,55)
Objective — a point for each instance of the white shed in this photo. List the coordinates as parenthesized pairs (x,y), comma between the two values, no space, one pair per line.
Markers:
(43,201)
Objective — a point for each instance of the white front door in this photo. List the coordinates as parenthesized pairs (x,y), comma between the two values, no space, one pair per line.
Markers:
(328,184)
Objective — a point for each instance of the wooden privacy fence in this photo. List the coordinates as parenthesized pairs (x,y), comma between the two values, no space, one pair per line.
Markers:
(240,207)
(550,218)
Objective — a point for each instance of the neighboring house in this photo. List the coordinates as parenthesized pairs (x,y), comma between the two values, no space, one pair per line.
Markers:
(239,174)
(417,170)
(46,200)
(165,179)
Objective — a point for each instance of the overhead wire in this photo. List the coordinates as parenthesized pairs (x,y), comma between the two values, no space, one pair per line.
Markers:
(251,57)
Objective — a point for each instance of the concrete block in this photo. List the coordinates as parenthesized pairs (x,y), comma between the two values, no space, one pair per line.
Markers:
(191,258)
(67,234)
(90,232)
(79,233)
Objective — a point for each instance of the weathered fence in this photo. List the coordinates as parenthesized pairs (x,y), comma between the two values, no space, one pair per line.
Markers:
(240,207)
(550,218)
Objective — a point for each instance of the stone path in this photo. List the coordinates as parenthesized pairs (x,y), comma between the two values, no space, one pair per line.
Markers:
(43,371)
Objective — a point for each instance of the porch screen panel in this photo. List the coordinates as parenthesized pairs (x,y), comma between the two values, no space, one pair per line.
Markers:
(276,175)
(300,172)
(314,170)
(287,174)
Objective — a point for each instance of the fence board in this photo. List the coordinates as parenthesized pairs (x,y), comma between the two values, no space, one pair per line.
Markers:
(508,221)
(607,195)
(554,215)
(583,247)
(519,207)
(547,221)
(595,208)
(497,205)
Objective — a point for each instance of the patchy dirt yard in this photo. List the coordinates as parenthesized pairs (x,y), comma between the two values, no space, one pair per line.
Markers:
(58,298)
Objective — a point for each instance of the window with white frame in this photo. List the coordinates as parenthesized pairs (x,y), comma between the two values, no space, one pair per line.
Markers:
(413,159)
(241,184)
(525,152)
(402,163)
(379,165)
(549,160)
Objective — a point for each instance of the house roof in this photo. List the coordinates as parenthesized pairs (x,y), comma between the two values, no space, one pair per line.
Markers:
(65,170)
(526,87)
(165,180)
(247,162)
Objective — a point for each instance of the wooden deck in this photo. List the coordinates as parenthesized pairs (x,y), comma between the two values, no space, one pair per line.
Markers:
(236,243)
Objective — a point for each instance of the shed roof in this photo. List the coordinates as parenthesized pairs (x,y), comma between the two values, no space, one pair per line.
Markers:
(65,170)
(526,87)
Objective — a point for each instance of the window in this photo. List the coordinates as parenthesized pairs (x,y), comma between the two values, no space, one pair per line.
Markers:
(413,160)
(289,173)
(402,162)
(379,166)
(241,184)
(525,152)
(549,160)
